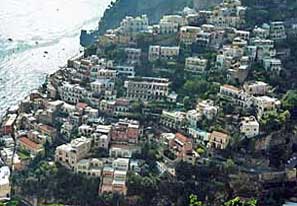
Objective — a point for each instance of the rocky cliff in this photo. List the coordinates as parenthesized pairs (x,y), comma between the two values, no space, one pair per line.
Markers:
(205,4)
(121,8)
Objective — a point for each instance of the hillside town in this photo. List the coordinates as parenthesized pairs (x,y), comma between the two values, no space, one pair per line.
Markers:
(148,100)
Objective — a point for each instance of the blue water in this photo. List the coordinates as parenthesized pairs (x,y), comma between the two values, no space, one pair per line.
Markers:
(37,26)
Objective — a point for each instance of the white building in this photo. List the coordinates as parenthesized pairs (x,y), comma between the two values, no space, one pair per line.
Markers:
(277,30)
(195,64)
(69,154)
(133,55)
(193,116)
(72,93)
(121,164)
(208,109)
(163,52)
(101,85)
(5,187)
(174,120)
(188,34)
(264,104)
(125,71)
(169,24)
(147,88)
(249,127)
(91,167)
(134,24)
(272,64)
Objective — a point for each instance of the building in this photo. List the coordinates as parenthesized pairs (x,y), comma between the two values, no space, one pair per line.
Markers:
(69,154)
(121,164)
(169,52)
(130,25)
(133,56)
(113,181)
(230,13)
(100,86)
(120,150)
(72,93)
(147,88)
(264,104)
(170,23)
(181,146)
(265,48)
(8,126)
(207,108)
(91,167)
(5,187)
(277,31)
(125,71)
(125,131)
(261,33)
(174,120)
(256,88)
(195,64)
(30,146)
(99,73)
(272,64)
(244,35)
(193,117)
(167,27)
(218,140)
(249,126)
(163,52)
(188,34)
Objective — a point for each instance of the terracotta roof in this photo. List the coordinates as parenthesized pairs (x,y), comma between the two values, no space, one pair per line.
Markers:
(81,105)
(182,138)
(29,143)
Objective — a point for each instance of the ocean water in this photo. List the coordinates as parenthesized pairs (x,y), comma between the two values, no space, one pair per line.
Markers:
(38,36)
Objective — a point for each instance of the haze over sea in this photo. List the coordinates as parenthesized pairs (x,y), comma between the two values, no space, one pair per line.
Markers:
(44,35)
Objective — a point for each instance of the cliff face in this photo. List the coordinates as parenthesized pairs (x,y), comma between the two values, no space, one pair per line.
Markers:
(121,8)
(205,4)
(153,8)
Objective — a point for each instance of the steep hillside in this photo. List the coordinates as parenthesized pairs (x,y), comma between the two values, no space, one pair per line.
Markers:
(121,8)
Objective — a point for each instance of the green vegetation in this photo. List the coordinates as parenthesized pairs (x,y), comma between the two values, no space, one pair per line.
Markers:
(65,186)
(289,102)
(272,120)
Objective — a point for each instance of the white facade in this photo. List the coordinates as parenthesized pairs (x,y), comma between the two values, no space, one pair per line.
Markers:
(133,25)
(277,30)
(272,64)
(5,187)
(91,167)
(195,64)
(249,126)
(72,152)
(72,93)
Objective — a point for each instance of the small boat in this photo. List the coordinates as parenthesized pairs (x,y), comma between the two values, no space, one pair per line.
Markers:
(46,52)
(10,39)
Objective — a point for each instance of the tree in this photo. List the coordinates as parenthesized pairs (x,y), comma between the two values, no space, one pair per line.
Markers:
(273,120)
(194,201)
(289,102)
(238,202)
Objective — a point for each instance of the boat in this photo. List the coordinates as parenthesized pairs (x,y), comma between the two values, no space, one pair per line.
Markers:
(46,52)
(10,39)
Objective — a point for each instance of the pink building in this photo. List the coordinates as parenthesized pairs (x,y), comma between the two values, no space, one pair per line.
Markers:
(181,146)
(125,131)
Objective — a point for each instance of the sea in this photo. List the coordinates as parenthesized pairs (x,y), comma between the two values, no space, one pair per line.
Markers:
(36,39)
